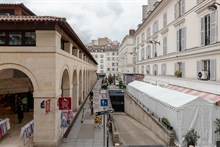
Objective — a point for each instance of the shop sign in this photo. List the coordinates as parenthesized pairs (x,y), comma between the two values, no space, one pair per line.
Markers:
(47,106)
(64,103)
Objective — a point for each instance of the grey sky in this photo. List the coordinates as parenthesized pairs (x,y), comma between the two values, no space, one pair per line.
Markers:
(91,19)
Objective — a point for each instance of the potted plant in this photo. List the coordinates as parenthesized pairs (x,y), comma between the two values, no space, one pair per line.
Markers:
(166,122)
(178,73)
(191,138)
(217,122)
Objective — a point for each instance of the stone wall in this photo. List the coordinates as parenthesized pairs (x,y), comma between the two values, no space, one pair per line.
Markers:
(139,113)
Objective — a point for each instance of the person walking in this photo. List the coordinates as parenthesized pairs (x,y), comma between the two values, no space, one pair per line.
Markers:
(20,113)
(92,110)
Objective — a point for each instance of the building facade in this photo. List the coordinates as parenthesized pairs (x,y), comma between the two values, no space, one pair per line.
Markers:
(112,62)
(47,52)
(178,47)
(127,57)
(105,53)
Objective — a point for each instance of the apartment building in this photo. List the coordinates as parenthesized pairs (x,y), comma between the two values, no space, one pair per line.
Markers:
(180,41)
(127,57)
(178,47)
(105,53)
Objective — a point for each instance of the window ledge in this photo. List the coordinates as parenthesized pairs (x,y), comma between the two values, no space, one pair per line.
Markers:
(178,23)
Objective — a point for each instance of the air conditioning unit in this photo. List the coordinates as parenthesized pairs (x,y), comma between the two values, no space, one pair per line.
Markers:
(203,75)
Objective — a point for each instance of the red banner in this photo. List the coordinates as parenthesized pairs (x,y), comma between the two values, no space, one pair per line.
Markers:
(47,106)
(65,103)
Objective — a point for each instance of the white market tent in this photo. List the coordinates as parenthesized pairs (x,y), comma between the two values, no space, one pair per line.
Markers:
(183,111)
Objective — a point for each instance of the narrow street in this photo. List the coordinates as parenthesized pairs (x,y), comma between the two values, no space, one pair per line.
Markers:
(84,133)
(134,133)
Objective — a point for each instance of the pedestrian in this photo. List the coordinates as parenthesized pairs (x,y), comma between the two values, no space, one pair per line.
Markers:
(92,110)
(20,113)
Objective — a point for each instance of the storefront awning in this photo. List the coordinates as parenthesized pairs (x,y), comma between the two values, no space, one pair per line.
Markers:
(213,98)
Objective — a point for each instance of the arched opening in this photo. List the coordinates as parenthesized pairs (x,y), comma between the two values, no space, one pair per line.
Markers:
(16,101)
(65,86)
(84,84)
(75,94)
(87,82)
(80,87)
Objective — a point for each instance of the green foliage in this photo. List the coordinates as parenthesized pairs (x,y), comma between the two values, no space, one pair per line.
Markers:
(104,85)
(178,73)
(192,137)
(110,79)
(165,120)
(217,122)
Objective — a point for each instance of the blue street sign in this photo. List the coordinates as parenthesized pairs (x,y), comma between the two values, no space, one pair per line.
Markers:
(104,102)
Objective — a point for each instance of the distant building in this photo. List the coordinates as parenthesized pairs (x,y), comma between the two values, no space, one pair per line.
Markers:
(127,58)
(105,53)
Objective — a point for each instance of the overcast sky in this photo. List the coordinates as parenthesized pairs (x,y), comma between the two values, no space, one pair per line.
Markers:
(91,19)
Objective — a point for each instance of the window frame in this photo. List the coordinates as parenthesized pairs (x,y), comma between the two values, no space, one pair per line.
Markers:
(22,33)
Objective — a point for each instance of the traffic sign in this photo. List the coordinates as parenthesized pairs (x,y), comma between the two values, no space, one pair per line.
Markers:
(104,102)
(104,112)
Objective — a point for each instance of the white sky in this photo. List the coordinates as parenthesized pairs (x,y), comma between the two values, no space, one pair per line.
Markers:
(91,19)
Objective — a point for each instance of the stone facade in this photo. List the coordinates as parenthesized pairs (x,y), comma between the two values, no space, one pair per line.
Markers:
(54,72)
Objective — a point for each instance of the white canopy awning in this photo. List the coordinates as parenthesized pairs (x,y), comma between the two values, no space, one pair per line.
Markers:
(166,96)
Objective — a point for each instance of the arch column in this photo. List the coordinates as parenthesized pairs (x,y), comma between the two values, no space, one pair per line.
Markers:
(80,87)
(75,96)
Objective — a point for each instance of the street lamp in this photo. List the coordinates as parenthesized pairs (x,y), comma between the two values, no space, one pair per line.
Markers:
(213,6)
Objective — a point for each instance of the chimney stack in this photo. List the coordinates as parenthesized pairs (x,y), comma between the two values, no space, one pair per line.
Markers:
(144,12)
(131,32)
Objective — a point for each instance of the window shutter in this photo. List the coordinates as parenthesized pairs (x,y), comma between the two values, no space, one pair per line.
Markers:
(182,7)
(177,40)
(183,69)
(203,31)
(149,51)
(175,67)
(153,51)
(165,69)
(165,48)
(213,28)
(164,45)
(198,67)
(162,69)
(183,39)
(213,69)
(176,10)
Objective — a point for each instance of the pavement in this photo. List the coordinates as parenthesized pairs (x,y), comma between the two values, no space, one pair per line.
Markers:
(12,139)
(84,133)
(133,133)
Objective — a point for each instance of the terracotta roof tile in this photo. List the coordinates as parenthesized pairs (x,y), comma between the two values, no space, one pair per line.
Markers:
(13,18)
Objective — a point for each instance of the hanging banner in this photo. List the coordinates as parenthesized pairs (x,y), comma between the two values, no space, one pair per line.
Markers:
(47,106)
(64,103)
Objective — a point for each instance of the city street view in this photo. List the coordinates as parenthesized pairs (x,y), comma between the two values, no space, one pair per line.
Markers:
(110,73)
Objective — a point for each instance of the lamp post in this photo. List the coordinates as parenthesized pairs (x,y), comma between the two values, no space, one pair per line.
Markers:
(213,6)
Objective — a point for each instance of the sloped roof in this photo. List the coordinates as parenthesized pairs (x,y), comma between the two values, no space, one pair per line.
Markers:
(13,18)
(166,96)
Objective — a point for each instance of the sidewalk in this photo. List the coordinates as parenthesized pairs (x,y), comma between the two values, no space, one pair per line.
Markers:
(85,134)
